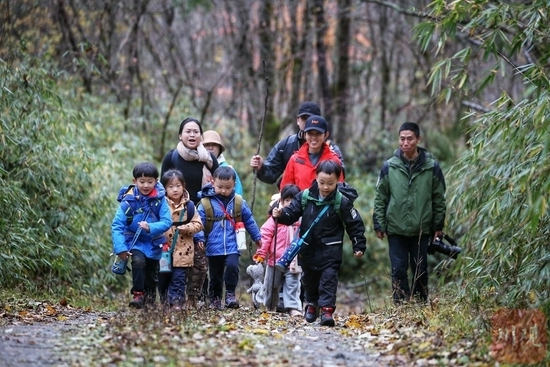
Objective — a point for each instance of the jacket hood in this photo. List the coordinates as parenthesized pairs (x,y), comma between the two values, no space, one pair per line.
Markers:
(347,190)
(208,191)
(158,192)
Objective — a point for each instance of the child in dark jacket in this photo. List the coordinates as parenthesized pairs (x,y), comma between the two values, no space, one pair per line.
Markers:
(321,254)
(221,242)
(140,221)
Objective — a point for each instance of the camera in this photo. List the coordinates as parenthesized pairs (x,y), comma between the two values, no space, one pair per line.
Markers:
(451,249)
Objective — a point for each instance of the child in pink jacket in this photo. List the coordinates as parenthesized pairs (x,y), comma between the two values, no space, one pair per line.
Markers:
(290,280)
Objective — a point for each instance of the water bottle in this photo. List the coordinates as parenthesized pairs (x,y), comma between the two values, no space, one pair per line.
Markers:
(284,262)
(119,266)
(241,235)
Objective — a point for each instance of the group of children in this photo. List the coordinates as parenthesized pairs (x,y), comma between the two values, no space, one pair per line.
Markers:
(161,220)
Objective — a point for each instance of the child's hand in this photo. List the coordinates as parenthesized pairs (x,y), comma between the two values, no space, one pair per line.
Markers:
(144,225)
(258,259)
(200,245)
(124,255)
(276,213)
(358,254)
(184,229)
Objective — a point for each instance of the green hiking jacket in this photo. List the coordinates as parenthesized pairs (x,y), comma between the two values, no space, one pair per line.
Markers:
(409,205)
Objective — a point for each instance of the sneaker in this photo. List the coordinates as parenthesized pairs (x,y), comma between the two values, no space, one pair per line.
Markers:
(294,312)
(137,301)
(231,301)
(312,312)
(326,316)
(216,303)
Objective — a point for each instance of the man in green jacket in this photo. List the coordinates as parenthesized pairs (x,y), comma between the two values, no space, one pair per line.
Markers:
(410,208)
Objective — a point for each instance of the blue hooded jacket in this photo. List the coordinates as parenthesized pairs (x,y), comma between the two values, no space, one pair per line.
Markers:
(222,239)
(135,208)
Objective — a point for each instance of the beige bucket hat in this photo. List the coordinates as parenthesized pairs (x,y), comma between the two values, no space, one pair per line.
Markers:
(212,137)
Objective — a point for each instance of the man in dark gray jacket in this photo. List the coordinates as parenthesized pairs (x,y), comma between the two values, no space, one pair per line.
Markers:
(274,165)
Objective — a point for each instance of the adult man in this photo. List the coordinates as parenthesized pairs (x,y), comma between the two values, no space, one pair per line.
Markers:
(409,207)
(272,168)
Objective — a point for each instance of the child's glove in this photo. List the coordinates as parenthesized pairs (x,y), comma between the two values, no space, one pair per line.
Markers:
(258,259)
(165,247)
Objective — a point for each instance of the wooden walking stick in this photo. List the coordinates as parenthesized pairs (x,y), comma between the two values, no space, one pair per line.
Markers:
(258,149)
(275,271)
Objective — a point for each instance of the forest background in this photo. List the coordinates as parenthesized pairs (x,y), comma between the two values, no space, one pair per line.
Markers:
(90,88)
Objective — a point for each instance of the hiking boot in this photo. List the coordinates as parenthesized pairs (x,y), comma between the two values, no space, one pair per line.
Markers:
(230,300)
(312,312)
(137,301)
(326,316)
(216,303)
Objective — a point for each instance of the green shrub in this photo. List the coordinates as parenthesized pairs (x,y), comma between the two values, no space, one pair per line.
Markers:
(59,180)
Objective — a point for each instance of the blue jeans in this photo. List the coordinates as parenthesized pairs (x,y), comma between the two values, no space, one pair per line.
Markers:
(145,276)
(176,289)
(404,252)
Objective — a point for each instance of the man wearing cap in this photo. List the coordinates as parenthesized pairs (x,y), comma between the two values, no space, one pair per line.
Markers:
(272,168)
(302,165)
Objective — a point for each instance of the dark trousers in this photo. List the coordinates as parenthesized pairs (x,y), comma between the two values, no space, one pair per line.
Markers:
(176,290)
(172,286)
(145,275)
(163,284)
(223,269)
(320,286)
(404,252)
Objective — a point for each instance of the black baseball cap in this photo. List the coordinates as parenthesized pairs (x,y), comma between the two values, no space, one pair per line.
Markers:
(309,108)
(316,123)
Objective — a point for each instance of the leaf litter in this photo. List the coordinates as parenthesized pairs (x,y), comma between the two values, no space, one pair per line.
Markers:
(66,336)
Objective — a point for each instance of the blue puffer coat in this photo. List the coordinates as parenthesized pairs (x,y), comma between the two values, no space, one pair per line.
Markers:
(134,208)
(222,239)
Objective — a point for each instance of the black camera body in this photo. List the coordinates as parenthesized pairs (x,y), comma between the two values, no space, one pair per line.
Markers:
(451,249)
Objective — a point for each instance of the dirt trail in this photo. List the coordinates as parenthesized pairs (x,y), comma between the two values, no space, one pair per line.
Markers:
(24,343)
(47,336)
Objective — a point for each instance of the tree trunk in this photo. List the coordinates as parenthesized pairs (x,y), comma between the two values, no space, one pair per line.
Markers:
(340,130)
(321,28)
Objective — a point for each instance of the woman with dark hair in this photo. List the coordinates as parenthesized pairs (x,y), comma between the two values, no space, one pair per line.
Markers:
(197,166)
(191,158)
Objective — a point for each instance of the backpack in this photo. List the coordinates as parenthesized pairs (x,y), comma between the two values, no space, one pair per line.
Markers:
(341,190)
(133,207)
(209,212)
(190,209)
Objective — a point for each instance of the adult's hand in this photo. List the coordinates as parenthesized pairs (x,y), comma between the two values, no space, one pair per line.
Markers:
(380,234)
(256,162)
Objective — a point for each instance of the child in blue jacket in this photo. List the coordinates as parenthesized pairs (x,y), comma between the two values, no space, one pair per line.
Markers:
(221,242)
(138,230)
